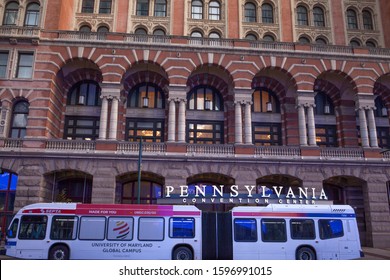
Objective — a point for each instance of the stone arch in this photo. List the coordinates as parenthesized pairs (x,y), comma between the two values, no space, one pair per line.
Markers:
(350,190)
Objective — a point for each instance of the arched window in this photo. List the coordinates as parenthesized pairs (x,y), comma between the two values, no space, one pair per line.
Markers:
(324,105)
(250,12)
(371,44)
(302,16)
(146,95)
(74,190)
(142,8)
(159,32)
(205,98)
(85,28)
(140,31)
(267,13)
(269,38)
(355,43)
(304,40)
(84,93)
(319,17)
(32,15)
(11,13)
(265,101)
(88,6)
(19,119)
(197,9)
(150,192)
(321,41)
(196,38)
(103,29)
(160,8)
(196,34)
(251,37)
(367,20)
(214,10)
(214,35)
(352,22)
(105,6)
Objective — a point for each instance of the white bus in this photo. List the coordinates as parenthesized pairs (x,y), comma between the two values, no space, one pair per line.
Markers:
(90,231)
(299,232)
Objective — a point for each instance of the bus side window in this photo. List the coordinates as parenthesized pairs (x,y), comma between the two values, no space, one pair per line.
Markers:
(245,230)
(33,227)
(181,227)
(273,230)
(12,230)
(302,229)
(330,228)
(63,228)
(150,229)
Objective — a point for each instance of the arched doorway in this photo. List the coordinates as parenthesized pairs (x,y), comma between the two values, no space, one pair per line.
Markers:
(349,190)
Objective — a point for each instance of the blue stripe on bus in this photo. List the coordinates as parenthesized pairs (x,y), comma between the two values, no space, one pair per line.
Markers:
(327,215)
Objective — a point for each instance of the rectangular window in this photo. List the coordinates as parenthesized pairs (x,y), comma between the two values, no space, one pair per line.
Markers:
(302,229)
(151,130)
(205,133)
(182,227)
(160,8)
(326,136)
(63,228)
(245,230)
(81,128)
(25,65)
(267,134)
(273,230)
(120,228)
(33,227)
(330,228)
(3,64)
(92,228)
(142,8)
(105,7)
(151,229)
(88,6)
(383,134)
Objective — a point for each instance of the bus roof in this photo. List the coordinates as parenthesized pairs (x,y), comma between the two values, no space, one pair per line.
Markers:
(110,209)
(292,210)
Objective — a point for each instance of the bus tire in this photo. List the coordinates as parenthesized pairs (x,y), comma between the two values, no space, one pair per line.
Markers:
(59,252)
(182,253)
(305,253)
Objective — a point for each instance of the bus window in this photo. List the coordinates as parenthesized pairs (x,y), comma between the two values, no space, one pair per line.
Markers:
(151,229)
(92,228)
(33,227)
(330,229)
(12,230)
(120,228)
(63,228)
(245,230)
(273,230)
(182,227)
(302,229)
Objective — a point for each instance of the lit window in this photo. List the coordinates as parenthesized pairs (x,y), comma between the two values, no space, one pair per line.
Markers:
(205,98)
(204,132)
(146,95)
(151,130)
(267,134)
(326,136)
(265,101)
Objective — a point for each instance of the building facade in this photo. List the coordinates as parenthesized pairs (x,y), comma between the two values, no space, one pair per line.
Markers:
(236,92)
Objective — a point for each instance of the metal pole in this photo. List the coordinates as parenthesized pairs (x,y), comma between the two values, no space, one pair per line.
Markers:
(139,171)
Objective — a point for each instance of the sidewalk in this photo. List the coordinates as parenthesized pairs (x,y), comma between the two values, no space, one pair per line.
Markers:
(376,254)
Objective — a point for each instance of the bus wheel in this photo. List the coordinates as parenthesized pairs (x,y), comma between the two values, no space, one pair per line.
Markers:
(182,253)
(59,252)
(305,253)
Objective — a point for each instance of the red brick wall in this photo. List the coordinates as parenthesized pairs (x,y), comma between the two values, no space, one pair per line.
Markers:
(338,22)
(385,9)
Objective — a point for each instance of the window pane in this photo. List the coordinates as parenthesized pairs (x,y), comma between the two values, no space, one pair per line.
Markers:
(273,230)
(87,6)
(33,227)
(182,227)
(160,8)
(245,230)
(25,65)
(120,228)
(302,229)
(63,228)
(250,12)
(105,7)
(330,229)
(142,7)
(151,229)
(92,228)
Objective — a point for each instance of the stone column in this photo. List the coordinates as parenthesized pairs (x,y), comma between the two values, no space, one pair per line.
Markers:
(248,122)
(181,130)
(103,118)
(171,120)
(363,128)
(4,121)
(372,128)
(311,125)
(238,123)
(302,125)
(114,118)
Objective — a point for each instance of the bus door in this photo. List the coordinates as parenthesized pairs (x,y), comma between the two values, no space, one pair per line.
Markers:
(245,239)
(350,244)
(331,234)
(273,239)
(32,235)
